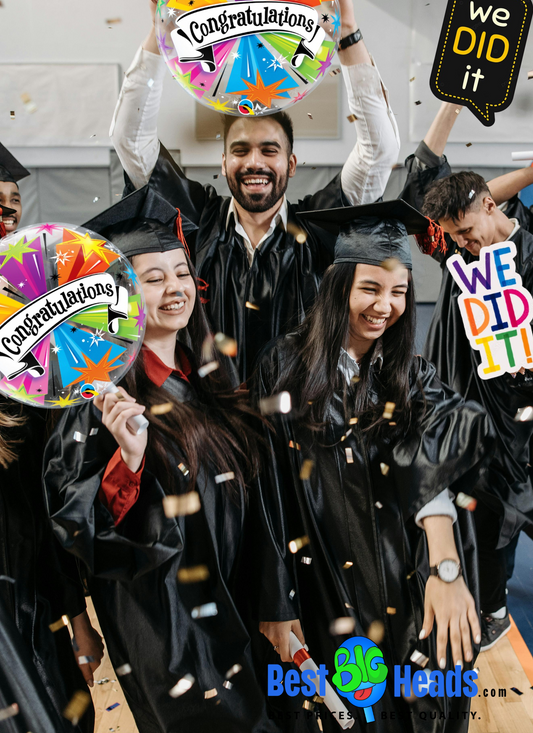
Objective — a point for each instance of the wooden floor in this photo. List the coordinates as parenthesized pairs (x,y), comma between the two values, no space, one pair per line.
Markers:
(508,664)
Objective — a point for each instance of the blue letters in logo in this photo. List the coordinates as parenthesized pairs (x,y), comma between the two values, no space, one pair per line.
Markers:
(360,674)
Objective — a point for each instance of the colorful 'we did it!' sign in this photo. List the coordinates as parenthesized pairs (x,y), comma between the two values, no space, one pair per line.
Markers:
(496,310)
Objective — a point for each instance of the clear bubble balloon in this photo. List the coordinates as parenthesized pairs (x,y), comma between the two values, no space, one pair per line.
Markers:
(248,58)
(72,315)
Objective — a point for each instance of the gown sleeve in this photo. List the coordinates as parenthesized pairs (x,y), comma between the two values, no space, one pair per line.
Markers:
(76,458)
(120,487)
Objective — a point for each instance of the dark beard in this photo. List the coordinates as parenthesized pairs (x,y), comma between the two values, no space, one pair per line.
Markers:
(258,202)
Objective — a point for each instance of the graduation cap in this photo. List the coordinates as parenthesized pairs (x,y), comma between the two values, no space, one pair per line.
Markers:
(372,233)
(143,222)
(11,171)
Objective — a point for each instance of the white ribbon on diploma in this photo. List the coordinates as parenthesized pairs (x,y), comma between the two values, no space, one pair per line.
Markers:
(197,31)
(26,328)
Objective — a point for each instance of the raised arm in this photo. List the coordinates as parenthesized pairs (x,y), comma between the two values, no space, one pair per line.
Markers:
(134,126)
(505,187)
(368,167)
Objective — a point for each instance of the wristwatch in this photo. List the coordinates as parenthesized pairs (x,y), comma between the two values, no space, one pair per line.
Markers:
(447,570)
(350,40)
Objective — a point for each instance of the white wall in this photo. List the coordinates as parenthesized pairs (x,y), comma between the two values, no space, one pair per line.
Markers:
(74,31)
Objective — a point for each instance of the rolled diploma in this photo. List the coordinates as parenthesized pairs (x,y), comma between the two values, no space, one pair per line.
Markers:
(332,701)
(526,155)
(138,423)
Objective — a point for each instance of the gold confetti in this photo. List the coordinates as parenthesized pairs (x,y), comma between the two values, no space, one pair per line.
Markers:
(391,264)
(347,435)
(12,114)
(277,403)
(194,574)
(297,232)
(183,468)
(252,306)
(292,444)
(223,477)
(63,621)
(376,631)
(318,699)
(320,726)
(466,502)
(207,369)
(419,658)
(353,420)
(298,543)
(206,610)
(418,102)
(530,74)
(391,611)
(162,409)
(310,115)
(347,565)
(225,344)
(355,379)
(335,71)
(349,455)
(468,145)
(232,671)
(389,409)
(9,712)
(29,106)
(342,625)
(308,705)
(393,424)
(77,706)
(307,560)
(113,21)
(412,78)
(351,118)
(384,468)
(305,471)
(207,348)
(208,694)
(182,686)
(180,506)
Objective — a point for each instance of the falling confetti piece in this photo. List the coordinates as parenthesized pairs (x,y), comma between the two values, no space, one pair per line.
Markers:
(418,102)
(292,594)
(113,21)
(468,145)
(63,621)
(335,71)
(215,176)
(389,409)
(310,115)
(29,106)
(391,611)
(466,502)
(349,455)
(208,694)
(150,83)
(384,468)
(232,671)
(530,74)
(379,505)
(353,421)
(392,424)
(85,660)
(376,631)
(182,686)
(347,565)
(79,437)
(77,706)
(524,414)
(124,669)
(194,574)
(297,232)
(207,369)
(95,199)
(93,431)
(305,471)
(308,705)
(252,306)
(222,477)
(183,468)
(411,574)
(292,444)
(225,344)
(412,78)
(181,506)
(419,658)
(342,625)
(227,684)
(162,409)
(9,712)
(298,543)
(347,435)
(351,118)
(277,403)
(356,379)
(307,560)
(318,699)
(112,707)
(12,115)
(204,611)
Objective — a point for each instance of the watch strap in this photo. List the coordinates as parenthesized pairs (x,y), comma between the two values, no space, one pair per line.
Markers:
(350,40)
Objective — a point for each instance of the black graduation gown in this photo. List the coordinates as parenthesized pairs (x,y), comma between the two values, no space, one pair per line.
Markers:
(47,583)
(506,487)
(336,508)
(283,279)
(144,612)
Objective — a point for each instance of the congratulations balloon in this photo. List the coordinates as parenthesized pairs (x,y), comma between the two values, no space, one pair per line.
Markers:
(248,58)
(71,315)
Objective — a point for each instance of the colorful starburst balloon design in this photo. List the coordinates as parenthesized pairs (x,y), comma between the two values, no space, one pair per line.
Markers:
(245,57)
(75,339)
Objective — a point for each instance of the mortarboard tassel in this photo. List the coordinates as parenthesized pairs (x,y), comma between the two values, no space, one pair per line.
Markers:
(180,235)
(433,240)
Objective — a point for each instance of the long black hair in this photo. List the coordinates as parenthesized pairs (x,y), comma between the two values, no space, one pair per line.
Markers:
(311,371)
(215,430)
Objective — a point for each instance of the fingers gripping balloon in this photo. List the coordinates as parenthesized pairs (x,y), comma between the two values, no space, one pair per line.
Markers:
(71,314)
(248,58)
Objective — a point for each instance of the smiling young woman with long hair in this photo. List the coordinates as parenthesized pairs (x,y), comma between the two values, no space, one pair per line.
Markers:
(382,440)
(162,584)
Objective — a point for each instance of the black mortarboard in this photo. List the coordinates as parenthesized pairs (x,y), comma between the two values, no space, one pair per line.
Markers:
(143,222)
(10,169)
(372,233)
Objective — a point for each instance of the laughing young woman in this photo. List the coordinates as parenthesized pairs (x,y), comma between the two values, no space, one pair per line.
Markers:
(386,547)
(161,585)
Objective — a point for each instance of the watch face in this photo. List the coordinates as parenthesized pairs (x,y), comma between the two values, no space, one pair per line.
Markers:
(448,571)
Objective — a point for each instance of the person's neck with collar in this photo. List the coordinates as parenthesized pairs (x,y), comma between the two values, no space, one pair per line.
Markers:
(257,223)
(165,349)
(504,227)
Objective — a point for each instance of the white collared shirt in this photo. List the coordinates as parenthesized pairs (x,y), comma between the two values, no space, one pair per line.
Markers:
(278,220)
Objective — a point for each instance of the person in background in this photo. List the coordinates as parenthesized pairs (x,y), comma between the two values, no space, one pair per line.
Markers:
(262,267)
